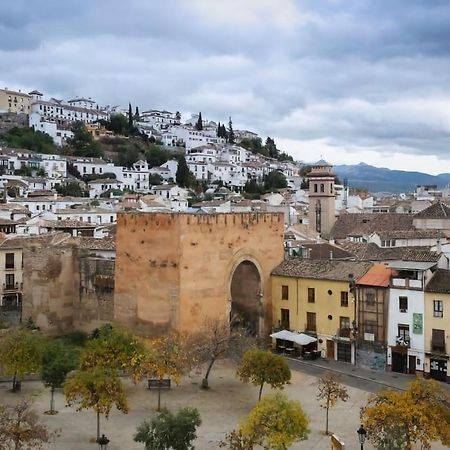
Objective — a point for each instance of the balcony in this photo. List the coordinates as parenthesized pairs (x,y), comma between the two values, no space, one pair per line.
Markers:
(11,288)
(406,283)
(438,347)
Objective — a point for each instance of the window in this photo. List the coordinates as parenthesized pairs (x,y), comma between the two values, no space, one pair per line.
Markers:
(9,281)
(285,319)
(370,298)
(438,340)
(344,298)
(322,187)
(310,321)
(403,304)
(311,295)
(438,308)
(9,261)
(370,326)
(284,292)
(403,332)
(315,187)
(344,326)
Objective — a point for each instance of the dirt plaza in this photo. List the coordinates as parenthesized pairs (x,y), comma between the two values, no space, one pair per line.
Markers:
(221,409)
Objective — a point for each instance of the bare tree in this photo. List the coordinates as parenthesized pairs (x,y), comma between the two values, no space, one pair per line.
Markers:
(330,391)
(20,428)
(218,338)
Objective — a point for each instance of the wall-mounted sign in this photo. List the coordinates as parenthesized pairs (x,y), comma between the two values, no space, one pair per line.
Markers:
(417,323)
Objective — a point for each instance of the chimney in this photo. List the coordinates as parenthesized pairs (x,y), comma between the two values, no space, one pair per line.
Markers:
(331,254)
(438,244)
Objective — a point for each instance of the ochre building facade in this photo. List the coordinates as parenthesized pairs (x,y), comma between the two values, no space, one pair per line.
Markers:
(174,271)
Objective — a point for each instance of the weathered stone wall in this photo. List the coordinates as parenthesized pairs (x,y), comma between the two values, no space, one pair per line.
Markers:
(95,305)
(50,285)
(66,289)
(173,270)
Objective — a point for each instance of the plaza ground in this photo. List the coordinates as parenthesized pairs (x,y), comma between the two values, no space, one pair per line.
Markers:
(221,408)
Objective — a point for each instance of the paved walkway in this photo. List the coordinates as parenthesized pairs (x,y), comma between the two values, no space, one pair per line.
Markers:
(383,379)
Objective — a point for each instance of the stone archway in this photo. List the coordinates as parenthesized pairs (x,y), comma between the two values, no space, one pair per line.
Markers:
(247,297)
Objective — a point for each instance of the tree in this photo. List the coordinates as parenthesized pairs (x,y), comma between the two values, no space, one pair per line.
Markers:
(178,115)
(155,179)
(21,354)
(136,114)
(330,391)
(118,124)
(71,189)
(398,420)
(261,366)
(219,129)
(253,187)
(128,156)
(58,360)
(169,431)
(82,143)
(130,117)
(184,177)
(30,139)
(112,350)
(167,357)
(276,422)
(213,342)
(272,148)
(236,440)
(156,155)
(230,132)
(274,180)
(20,428)
(199,124)
(98,389)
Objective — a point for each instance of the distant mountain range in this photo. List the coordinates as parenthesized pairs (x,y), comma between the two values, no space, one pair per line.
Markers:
(377,179)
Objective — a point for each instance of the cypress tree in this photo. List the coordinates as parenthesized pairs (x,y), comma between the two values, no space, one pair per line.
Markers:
(230,132)
(182,176)
(199,124)
(130,116)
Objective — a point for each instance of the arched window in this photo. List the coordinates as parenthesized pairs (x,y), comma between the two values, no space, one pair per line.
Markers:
(322,187)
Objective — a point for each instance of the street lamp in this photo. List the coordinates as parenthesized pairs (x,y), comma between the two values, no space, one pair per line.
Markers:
(103,442)
(362,436)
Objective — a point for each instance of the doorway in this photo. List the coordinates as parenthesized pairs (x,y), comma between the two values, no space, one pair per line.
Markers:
(412,365)
(330,349)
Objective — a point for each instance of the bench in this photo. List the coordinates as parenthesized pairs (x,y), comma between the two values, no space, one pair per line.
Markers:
(159,384)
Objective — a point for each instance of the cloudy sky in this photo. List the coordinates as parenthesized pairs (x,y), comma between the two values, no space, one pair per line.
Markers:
(349,80)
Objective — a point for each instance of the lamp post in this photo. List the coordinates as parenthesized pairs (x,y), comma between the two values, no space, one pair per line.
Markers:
(103,442)
(362,436)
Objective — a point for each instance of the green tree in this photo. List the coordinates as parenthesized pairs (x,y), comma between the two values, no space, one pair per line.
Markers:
(96,389)
(155,179)
(118,124)
(21,354)
(420,415)
(58,360)
(130,117)
(184,177)
(219,129)
(276,422)
(199,124)
(136,114)
(29,139)
(262,366)
(236,440)
(20,428)
(128,156)
(230,132)
(178,115)
(156,155)
(330,390)
(271,148)
(169,431)
(253,187)
(274,180)
(71,189)
(82,143)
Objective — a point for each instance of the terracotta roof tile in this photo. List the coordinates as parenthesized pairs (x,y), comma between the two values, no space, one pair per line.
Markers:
(439,282)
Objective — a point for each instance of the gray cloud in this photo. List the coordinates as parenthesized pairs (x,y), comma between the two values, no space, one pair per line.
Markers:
(357,73)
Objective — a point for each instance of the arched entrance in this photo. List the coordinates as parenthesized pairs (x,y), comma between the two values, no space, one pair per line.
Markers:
(247,297)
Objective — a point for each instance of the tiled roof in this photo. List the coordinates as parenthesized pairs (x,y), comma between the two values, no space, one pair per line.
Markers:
(439,282)
(437,210)
(409,234)
(378,275)
(366,224)
(321,269)
(325,250)
(96,244)
(70,224)
(44,240)
(371,252)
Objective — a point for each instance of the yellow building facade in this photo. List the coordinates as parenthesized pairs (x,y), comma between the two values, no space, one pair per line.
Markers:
(437,326)
(15,101)
(314,297)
